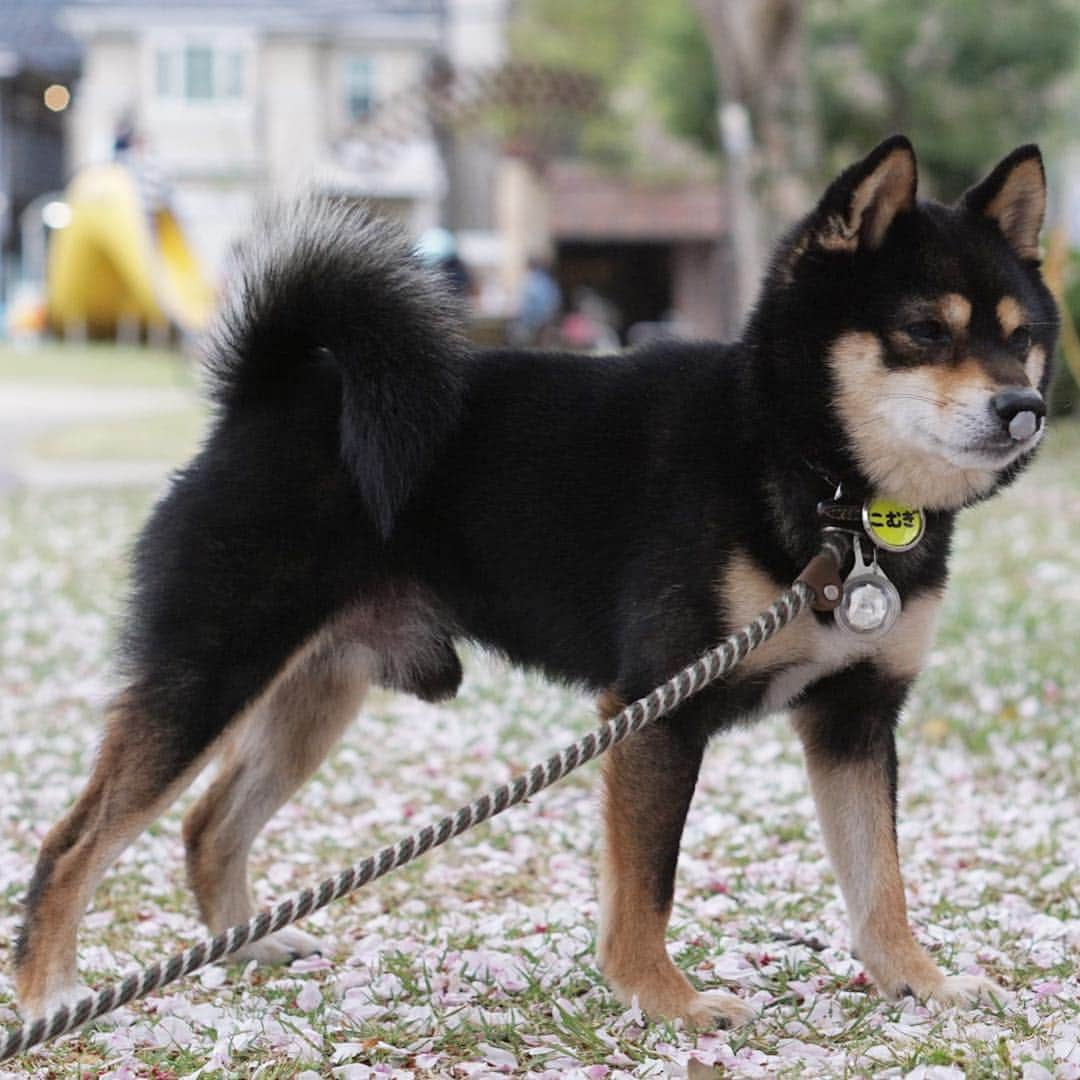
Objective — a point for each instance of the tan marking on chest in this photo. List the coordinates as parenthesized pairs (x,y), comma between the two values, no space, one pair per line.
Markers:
(903,651)
(745,590)
(807,650)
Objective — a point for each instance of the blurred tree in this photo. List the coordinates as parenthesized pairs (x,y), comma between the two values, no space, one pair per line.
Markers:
(602,38)
(676,60)
(968,79)
(678,68)
(1061,268)
(767,133)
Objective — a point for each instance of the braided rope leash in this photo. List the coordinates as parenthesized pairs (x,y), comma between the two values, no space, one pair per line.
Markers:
(713,665)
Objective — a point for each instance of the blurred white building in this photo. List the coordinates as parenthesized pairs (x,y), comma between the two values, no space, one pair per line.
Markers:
(236,100)
(396,102)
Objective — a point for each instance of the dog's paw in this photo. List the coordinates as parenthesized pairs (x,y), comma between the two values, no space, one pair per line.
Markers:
(969,990)
(715,1009)
(663,992)
(281,948)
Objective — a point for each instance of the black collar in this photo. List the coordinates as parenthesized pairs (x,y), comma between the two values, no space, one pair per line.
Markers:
(843,507)
(840,488)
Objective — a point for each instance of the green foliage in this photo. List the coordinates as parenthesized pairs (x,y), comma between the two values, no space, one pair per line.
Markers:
(967,79)
(96,364)
(678,69)
(597,39)
(1064,395)
(635,50)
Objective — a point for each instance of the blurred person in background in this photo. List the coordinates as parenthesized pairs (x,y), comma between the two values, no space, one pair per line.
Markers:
(539,304)
(590,326)
(130,150)
(438,248)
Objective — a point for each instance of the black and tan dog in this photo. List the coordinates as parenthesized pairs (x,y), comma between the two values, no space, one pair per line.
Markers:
(372,492)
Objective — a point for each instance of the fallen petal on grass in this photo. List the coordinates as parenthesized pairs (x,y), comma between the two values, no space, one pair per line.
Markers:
(478,960)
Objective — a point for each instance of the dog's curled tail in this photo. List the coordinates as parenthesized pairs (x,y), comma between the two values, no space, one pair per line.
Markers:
(318,277)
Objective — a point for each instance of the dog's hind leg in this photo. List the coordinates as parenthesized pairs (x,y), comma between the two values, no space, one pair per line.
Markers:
(649,781)
(140,770)
(158,735)
(266,758)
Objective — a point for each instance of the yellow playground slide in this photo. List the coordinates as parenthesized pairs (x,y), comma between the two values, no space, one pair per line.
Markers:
(116,265)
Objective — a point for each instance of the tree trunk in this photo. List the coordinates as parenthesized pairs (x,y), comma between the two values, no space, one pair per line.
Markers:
(766,125)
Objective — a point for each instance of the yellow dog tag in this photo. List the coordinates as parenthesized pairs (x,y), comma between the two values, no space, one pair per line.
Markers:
(891,525)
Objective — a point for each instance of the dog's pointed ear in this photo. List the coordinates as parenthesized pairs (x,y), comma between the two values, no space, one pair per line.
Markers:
(1013,196)
(865,199)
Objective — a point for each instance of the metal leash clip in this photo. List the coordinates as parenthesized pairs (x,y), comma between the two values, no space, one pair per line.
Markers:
(870,604)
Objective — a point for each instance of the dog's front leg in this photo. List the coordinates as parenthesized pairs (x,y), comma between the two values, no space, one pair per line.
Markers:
(648,784)
(847,728)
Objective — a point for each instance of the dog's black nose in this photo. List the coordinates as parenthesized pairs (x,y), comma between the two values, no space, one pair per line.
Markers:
(1020,410)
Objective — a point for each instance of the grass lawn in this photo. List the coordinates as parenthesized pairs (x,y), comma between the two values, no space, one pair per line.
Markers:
(170,437)
(95,364)
(478,959)
(165,430)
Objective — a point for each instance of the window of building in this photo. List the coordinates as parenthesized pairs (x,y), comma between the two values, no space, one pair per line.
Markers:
(232,82)
(359,88)
(199,73)
(165,73)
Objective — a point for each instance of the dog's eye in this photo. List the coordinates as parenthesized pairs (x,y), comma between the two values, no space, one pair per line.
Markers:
(928,333)
(1020,339)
